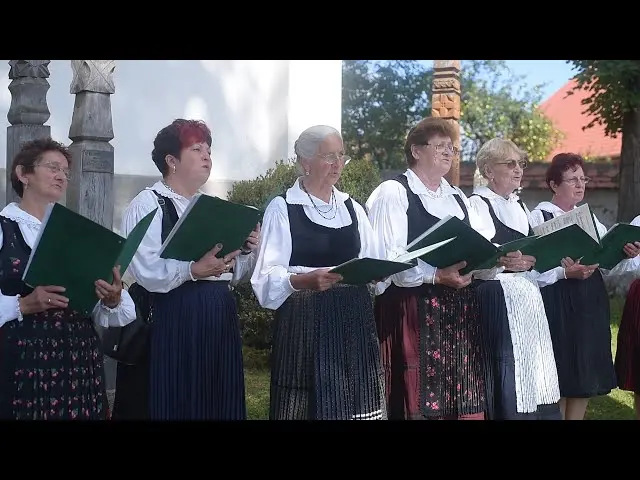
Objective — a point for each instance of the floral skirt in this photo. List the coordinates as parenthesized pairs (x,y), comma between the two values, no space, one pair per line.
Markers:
(432,352)
(51,368)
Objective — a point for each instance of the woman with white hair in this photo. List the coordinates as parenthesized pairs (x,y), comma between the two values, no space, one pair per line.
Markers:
(325,359)
(522,380)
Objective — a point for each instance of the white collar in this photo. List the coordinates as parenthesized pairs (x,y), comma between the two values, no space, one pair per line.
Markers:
(13,212)
(490,194)
(297,196)
(551,208)
(162,189)
(419,188)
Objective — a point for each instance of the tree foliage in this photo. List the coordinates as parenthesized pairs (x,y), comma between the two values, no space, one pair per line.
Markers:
(383,100)
(614,89)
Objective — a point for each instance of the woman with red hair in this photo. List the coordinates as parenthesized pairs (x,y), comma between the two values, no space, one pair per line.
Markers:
(577,305)
(194,369)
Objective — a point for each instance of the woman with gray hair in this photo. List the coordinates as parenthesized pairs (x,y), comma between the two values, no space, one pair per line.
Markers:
(522,380)
(325,360)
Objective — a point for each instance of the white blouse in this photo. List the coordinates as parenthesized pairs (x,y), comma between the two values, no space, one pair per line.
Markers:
(510,213)
(271,277)
(163,275)
(387,206)
(102,315)
(625,269)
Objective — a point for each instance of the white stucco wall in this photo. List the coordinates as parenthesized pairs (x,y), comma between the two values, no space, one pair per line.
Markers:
(256,108)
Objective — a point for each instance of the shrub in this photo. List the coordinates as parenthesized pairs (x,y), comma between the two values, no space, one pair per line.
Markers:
(359,178)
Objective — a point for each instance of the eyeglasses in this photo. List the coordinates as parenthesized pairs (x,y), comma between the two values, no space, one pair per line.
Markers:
(511,164)
(55,168)
(573,181)
(440,148)
(332,158)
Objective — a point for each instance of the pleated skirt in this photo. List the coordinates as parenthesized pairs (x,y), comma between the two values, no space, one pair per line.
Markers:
(627,362)
(537,375)
(432,352)
(579,315)
(195,357)
(325,363)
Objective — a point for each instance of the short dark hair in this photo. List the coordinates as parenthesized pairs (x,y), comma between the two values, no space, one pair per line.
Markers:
(30,155)
(173,138)
(562,162)
(424,131)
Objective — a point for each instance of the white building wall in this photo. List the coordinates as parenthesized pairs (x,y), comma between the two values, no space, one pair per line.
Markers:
(255,108)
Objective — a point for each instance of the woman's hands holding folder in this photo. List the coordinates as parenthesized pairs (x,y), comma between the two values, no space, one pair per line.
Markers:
(211,266)
(109,294)
(320,279)
(573,269)
(517,262)
(632,250)
(451,277)
(42,299)
(253,240)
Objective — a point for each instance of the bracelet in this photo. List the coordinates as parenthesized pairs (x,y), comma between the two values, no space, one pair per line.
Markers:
(190,273)
(433,279)
(18,308)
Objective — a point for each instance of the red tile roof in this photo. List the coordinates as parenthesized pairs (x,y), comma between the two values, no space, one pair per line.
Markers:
(566,112)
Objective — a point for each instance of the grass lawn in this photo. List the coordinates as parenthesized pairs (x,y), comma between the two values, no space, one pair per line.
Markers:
(618,405)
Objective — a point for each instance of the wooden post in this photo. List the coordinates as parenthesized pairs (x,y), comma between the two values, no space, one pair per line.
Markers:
(90,191)
(445,103)
(28,111)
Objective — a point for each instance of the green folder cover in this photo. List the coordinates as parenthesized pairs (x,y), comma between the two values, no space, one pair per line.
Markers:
(206,222)
(610,251)
(73,251)
(468,245)
(360,271)
(571,241)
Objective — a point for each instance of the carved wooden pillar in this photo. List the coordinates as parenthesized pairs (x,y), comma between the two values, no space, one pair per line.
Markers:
(90,191)
(28,111)
(445,103)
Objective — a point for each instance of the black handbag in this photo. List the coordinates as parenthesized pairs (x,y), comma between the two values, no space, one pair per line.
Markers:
(128,344)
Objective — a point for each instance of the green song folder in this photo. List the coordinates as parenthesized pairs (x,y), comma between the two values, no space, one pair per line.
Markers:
(571,241)
(360,271)
(73,251)
(206,222)
(610,251)
(468,245)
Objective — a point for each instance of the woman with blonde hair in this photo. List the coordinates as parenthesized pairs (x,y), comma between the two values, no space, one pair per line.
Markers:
(522,381)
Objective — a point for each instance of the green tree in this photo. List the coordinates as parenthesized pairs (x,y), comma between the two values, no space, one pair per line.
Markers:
(496,103)
(383,100)
(614,102)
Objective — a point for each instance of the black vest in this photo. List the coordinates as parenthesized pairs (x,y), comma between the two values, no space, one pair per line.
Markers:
(504,233)
(317,246)
(418,219)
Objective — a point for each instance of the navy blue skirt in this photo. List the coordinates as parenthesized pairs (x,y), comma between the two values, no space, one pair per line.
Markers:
(196,368)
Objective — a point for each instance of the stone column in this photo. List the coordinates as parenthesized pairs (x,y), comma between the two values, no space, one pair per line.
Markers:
(445,103)
(28,111)
(90,191)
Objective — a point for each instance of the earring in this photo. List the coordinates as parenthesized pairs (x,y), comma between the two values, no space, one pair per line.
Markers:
(174,169)
(307,172)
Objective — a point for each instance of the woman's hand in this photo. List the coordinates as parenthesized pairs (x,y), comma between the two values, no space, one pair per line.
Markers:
(42,299)
(253,240)
(517,262)
(632,250)
(451,277)
(573,269)
(109,294)
(210,265)
(320,280)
